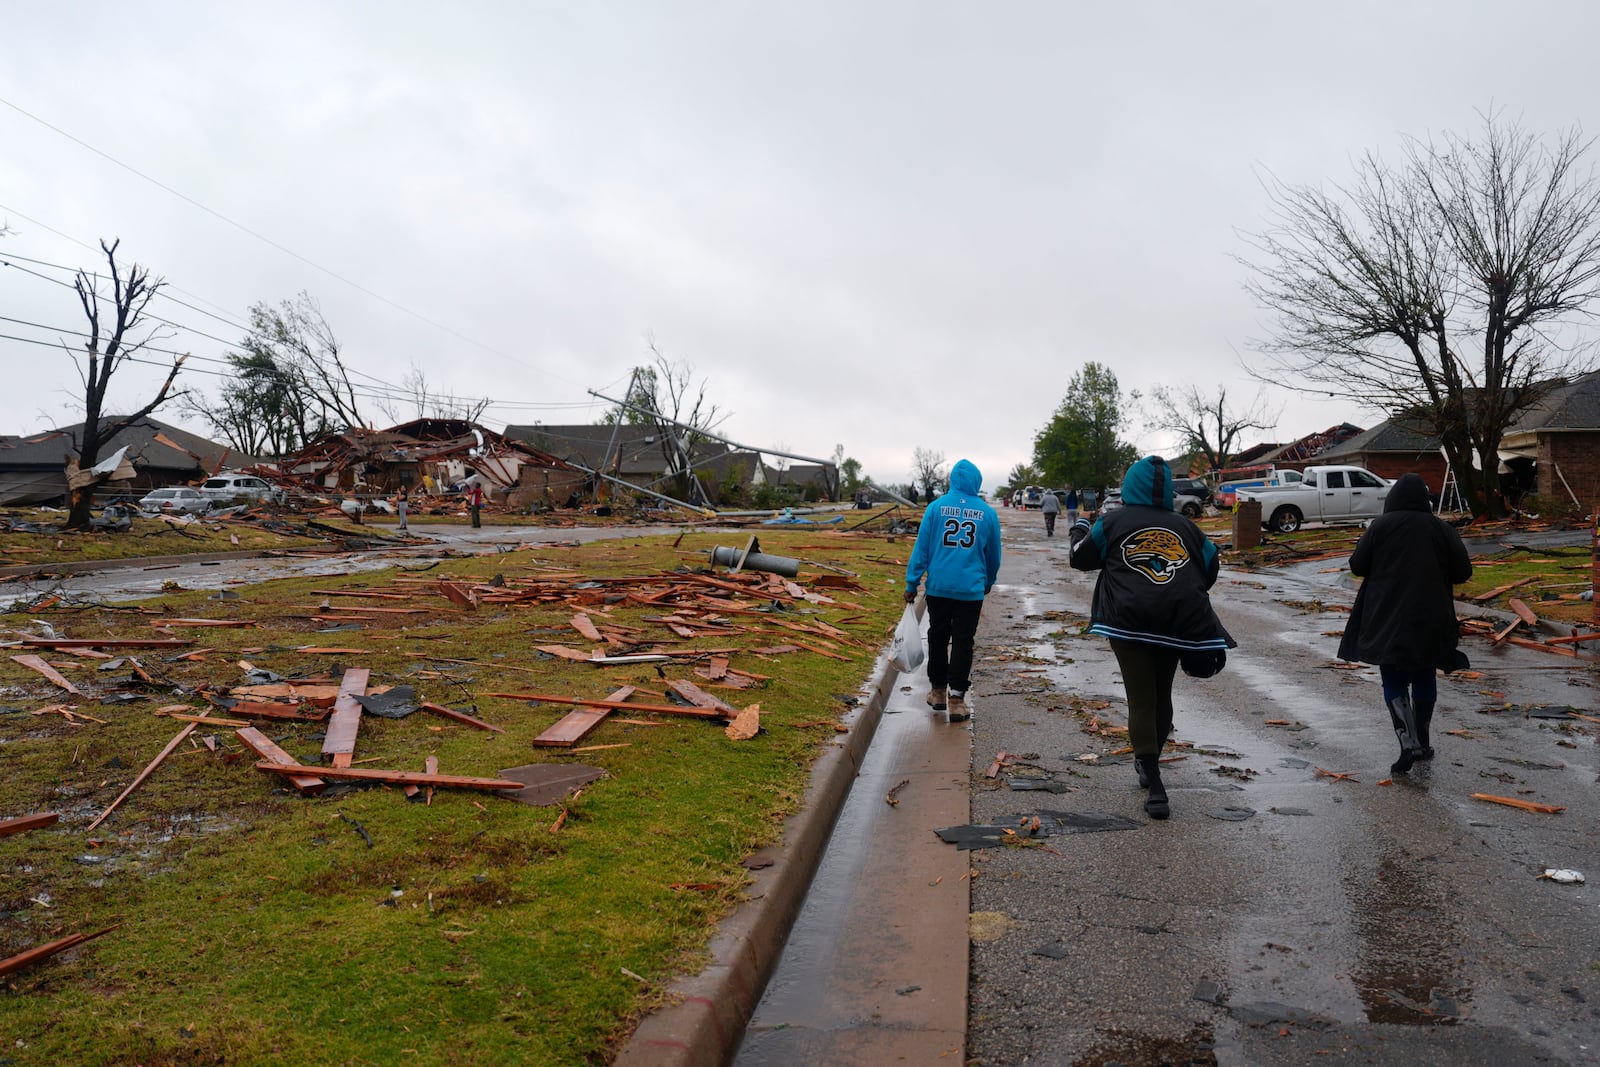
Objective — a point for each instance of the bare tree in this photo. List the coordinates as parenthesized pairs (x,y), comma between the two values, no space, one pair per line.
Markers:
(427,403)
(109,346)
(1208,424)
(927,471)
(1436,290)
(667,397)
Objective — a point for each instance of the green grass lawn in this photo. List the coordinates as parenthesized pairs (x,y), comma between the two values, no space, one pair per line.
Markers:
(258,925)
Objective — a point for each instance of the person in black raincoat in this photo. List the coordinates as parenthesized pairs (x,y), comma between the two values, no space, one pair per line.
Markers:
(1404,618)
(1152,600)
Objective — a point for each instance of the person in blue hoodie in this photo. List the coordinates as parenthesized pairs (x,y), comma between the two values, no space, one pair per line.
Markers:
(1152,599)
(958,548)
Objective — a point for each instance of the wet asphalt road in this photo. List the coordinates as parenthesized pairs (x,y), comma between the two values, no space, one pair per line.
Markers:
(1356,924)
(140,578)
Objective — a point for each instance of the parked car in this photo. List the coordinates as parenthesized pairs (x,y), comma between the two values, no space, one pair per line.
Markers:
(178,500)
(224,489)
(1033,497)
(1195,487)
(1323,494)
(1112,502)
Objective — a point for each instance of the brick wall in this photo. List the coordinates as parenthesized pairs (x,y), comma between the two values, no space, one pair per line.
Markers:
(1391,465)
(1578,456)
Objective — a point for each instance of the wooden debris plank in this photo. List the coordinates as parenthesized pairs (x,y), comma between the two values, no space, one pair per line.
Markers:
(664,709)
(1559,650)
(344,618)
(1503,634)
(43,952)
(1523,805)
(581,623)
(1573,639)
(1491,594)
(23,823)
(1524,612)
(35,663)
(214,720)
(264,747)
(461,716)
(187,623)
(697,696)
(345,722)
(717,669)
(563,652)
(461,598)
(137,782)
(106,642)
(317,695)
(576,725)
(367,774)
(821,651)
(315,650)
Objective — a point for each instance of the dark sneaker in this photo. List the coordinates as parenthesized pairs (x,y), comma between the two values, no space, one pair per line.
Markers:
(959,711)
(936,699)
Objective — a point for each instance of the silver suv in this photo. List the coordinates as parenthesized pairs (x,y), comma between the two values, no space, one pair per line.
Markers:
(226,488)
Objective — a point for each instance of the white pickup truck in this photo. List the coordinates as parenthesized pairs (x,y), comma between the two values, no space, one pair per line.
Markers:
(1323,494)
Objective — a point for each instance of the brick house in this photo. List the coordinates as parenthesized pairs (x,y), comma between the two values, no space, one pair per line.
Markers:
(1561,435)
(1392,448)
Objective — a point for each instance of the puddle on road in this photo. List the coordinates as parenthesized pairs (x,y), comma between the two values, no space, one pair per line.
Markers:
(1404,972)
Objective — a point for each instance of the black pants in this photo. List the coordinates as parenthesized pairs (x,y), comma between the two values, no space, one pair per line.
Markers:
(952,625)
(1050,524)
(1147,674)
(477,522)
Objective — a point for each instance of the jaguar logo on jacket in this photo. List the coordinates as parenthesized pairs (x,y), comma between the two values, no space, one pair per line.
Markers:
(1156,553)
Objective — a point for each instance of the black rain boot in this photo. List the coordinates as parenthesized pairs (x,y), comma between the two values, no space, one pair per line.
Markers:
(1424,721)
(1155,805)
(1404,721)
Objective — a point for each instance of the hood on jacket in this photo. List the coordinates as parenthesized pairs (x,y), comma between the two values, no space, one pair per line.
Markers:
(1148,483)
(1408,493)
(965,477)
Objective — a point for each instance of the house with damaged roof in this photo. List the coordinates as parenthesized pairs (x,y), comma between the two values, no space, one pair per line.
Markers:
(34,467)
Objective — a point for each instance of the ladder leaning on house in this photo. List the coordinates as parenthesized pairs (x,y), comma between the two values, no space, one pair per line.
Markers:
(1450,491)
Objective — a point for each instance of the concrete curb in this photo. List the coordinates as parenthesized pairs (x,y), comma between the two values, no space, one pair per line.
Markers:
(705,1023)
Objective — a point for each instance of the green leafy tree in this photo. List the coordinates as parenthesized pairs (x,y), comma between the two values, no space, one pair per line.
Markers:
(851,469)
(1080,445)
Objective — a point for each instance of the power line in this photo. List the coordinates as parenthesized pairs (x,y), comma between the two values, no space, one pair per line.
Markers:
(261,237)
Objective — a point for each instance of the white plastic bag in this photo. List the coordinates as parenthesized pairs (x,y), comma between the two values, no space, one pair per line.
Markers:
(906,652)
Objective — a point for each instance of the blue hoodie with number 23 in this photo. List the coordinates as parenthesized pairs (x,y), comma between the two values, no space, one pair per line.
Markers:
(958,545)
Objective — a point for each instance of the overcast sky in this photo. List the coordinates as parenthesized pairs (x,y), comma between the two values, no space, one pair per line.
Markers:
(881,225)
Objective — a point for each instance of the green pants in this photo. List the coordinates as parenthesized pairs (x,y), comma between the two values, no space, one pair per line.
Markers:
(1147,673)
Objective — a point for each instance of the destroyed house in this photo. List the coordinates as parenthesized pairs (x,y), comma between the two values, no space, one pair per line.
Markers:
(432,456)
(1305,451)
(33,467)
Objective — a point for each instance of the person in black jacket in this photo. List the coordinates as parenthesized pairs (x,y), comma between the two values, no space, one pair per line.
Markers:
(1151,599)
(1404,617)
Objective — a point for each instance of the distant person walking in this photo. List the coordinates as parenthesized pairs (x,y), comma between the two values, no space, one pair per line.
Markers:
(1152,600)
(1050,508)
(958,548)
(475,501)
(402,508)
(911,494)
(1404,617)
(1072,506)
